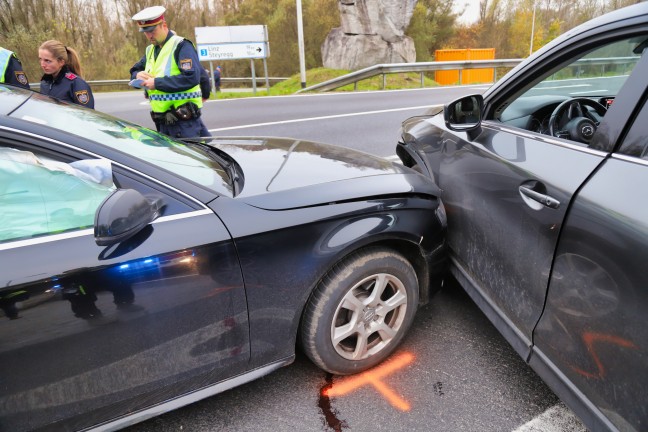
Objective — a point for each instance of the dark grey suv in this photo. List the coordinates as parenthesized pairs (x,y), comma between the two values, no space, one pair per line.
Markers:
(544,179)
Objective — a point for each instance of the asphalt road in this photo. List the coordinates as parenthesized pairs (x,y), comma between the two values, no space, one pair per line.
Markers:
(454,372)
(367,121)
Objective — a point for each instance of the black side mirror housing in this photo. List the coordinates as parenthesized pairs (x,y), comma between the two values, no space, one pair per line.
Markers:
(123,214)
(464,114)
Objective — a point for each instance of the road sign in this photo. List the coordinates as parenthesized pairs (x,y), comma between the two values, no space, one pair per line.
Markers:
(232,51)
(231,34)
(234,43)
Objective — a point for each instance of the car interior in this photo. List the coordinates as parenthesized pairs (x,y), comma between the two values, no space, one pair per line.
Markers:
(40,195)
(578,92)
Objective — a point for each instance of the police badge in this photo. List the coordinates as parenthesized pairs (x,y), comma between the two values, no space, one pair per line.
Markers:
(82,96)
(185,64)
(22,78)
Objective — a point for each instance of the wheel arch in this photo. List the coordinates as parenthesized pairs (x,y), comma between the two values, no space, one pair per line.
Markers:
(429,283)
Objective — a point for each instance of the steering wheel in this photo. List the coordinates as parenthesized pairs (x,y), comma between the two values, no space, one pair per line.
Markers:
(572,120)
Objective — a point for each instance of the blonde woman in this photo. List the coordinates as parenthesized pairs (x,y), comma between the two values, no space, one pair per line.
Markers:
(62,77)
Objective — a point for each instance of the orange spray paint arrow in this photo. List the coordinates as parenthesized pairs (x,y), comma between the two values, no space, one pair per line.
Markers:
(374,377)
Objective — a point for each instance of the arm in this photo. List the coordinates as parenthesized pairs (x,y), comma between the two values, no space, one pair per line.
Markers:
(14,74)
(187,59)
(138,67)
(81,93)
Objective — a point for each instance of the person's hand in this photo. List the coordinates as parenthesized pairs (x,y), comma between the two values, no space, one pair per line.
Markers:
(143,75)
(149,83)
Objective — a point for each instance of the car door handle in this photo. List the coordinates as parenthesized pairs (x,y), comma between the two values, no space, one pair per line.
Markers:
(543,199)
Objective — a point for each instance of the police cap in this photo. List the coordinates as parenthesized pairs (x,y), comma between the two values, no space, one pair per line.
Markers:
(150,17)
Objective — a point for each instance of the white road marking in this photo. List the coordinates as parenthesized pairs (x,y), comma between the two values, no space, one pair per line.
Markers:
(558,418)
(360,93)
(321,118)
(601,91)
(561,87)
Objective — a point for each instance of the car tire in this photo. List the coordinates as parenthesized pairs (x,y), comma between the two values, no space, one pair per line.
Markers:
(360,311)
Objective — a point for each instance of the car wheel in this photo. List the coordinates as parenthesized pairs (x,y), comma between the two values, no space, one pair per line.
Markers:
(360,311)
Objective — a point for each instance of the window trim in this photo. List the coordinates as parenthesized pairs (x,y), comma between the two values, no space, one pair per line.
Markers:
(96,156)
(47,238)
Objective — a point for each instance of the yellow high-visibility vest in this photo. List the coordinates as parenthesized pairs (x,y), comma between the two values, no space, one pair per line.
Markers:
(165,65)
(5,56)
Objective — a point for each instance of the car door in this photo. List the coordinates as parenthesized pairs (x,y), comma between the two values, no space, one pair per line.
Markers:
(501,237)
(90,333)
(508,189)
(593,330)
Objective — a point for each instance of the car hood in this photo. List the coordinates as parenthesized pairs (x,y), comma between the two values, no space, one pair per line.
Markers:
(284,173)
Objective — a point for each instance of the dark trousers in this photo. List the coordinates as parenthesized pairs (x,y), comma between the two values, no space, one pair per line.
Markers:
(182,128)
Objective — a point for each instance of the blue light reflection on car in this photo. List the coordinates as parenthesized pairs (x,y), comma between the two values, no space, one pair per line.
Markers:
(163,264)
(141,264)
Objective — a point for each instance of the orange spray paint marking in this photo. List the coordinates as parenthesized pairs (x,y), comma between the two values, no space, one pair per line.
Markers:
(374,377)
(590,338)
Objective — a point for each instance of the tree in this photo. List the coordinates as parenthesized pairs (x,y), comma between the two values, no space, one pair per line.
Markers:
(109,42)
(432,24)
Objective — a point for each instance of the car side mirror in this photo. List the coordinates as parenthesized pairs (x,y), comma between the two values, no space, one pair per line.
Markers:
(465,114)
(123,214)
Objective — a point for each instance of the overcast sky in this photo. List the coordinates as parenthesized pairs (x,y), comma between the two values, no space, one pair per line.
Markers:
(471,10)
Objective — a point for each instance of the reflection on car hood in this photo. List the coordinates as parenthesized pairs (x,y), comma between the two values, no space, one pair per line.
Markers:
(285,173)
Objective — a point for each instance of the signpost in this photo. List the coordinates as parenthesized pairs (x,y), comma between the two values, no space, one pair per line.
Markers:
(234,43)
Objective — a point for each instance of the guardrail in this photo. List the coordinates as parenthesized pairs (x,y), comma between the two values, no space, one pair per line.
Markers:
(105,83)
(423,67)
(392,68)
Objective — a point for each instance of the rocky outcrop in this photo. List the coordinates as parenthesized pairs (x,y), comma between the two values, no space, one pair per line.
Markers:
(371,32)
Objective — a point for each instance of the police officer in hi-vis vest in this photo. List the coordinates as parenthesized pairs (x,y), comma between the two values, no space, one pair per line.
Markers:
(11,71)
(170,73)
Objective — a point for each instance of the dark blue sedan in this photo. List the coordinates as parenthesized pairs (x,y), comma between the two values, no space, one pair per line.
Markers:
(139,274)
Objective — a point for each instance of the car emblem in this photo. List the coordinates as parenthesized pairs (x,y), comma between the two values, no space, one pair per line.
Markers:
(587,131)
(368,315)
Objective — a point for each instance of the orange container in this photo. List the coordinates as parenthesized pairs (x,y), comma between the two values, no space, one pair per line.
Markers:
(468,76)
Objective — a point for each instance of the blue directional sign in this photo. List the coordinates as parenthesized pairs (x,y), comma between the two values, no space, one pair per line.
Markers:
(232,51)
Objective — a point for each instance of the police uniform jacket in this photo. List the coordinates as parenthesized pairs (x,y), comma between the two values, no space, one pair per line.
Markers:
(13,72)
(205,83)
(186,56)
(67,87)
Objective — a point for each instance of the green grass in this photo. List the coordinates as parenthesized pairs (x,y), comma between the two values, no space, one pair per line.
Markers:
(319,75)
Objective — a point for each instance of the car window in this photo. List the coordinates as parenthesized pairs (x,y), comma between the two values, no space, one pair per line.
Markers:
(41,196)
(597,75)
(186,161)
(635,142)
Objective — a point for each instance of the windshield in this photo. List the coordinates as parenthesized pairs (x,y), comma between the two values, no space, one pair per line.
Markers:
(185,160)
(601,72)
